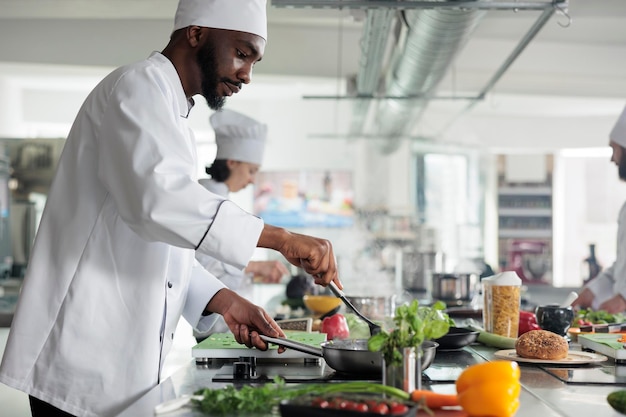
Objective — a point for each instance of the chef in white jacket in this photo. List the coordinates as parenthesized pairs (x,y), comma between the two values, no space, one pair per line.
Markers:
(240,141)
(607,291)
(113,266)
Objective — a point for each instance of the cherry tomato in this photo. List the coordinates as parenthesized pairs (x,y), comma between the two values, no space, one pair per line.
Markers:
(319,402)
(361,407)
(399,409)
(380,408)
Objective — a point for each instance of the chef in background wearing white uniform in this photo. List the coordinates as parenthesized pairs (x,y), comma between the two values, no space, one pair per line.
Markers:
(607,291)
(240,144)
(113,265)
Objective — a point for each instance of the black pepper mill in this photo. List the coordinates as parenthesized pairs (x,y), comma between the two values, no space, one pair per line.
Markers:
(592,263)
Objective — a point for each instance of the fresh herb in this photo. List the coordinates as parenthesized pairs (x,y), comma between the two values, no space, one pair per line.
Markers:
(589,316)
(413,325)
(262,399)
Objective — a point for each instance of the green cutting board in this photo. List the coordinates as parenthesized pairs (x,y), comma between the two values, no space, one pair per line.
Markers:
(224,345)
(605,343)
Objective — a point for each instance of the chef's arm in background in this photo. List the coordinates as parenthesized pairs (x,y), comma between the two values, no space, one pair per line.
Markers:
(269,272)
(312,254)
(605,292)
(207,294)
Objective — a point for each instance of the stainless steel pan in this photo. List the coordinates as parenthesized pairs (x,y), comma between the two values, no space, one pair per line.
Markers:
(343,355)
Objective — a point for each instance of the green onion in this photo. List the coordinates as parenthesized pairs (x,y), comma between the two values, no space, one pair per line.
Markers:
(262,399)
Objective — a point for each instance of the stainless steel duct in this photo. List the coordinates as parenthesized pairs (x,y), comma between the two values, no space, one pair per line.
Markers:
(374,44)
(433,39)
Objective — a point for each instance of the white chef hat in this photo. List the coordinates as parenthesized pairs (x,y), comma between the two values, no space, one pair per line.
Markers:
(240,15)
(238,137)
(618,134)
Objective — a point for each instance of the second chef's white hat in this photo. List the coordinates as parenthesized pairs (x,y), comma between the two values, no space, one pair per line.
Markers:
(241,15)
(238,137)
(618,134)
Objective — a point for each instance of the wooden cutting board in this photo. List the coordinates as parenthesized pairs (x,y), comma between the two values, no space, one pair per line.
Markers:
(223,345)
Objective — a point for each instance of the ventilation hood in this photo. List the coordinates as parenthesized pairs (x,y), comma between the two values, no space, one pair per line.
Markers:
(407,47)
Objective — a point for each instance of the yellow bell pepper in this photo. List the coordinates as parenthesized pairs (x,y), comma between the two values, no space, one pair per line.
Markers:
(490,389)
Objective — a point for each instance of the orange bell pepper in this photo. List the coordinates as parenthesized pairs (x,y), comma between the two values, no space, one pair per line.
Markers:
(490,389)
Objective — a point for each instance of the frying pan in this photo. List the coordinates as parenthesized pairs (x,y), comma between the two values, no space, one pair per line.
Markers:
(343,355)
(351,356)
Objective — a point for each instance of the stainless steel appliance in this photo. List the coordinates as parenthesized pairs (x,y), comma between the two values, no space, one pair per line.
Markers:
(455,287)
(31,164)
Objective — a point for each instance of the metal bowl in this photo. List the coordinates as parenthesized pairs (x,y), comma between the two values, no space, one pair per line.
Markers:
(429,349)
(320,304)
(457,338)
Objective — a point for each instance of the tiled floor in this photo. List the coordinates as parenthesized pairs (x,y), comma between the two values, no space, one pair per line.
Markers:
(14,403)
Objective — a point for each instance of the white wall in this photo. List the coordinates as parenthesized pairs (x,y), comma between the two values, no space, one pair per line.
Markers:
(589,195)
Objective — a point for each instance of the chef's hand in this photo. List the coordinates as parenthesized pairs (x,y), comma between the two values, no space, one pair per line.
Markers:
(270,272)
(584,300)
(615,304)
(312,254)
(244,319)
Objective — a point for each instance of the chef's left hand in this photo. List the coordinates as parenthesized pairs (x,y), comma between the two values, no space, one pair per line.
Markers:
(270,272)
(244,319)
(615,304)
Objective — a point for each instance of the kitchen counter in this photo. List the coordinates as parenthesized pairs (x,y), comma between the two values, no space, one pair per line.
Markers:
(543,394)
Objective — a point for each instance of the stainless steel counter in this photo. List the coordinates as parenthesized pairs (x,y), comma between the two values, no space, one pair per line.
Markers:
(543,394)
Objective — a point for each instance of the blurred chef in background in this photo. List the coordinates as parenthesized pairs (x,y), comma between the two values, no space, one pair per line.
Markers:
(240,146)
(608,290)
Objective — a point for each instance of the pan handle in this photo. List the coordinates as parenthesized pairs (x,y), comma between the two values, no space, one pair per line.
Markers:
(292,344)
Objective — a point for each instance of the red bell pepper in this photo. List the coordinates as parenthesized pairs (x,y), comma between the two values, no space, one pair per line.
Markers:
(335,327)
(527,322)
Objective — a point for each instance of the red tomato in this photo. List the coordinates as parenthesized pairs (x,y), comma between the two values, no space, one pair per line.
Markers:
(361,407)
(380,408)
(319,402)
(399,409)
(336,327)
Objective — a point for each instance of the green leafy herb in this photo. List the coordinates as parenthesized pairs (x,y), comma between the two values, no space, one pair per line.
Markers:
(596,317)
(262,399)
(413,325)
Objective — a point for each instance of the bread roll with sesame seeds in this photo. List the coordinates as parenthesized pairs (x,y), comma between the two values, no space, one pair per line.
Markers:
(541,344)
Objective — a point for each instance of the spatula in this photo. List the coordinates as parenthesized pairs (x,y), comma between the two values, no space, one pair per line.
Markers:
(374,328)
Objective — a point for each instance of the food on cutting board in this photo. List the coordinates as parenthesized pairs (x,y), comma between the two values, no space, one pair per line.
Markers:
(617,400)
(541,344)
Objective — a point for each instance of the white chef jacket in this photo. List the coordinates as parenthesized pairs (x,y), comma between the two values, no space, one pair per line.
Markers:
(612,280)
(113,262)
(234,278)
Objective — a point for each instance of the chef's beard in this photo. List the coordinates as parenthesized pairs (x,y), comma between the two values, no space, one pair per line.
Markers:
(621,168)
(210,81)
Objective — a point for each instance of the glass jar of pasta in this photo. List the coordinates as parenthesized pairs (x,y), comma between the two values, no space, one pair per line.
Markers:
(501,303)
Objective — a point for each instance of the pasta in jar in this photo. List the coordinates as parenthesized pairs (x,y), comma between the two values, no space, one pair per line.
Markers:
(501,309)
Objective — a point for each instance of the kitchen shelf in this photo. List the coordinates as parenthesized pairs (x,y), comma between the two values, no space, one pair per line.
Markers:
(525,212)
(525,233)
(526,191)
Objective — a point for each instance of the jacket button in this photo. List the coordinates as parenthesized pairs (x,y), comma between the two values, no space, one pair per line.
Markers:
(169,284)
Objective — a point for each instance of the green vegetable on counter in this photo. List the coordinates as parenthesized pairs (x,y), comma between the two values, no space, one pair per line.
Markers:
(492,339)
(617,400)
(261,399)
